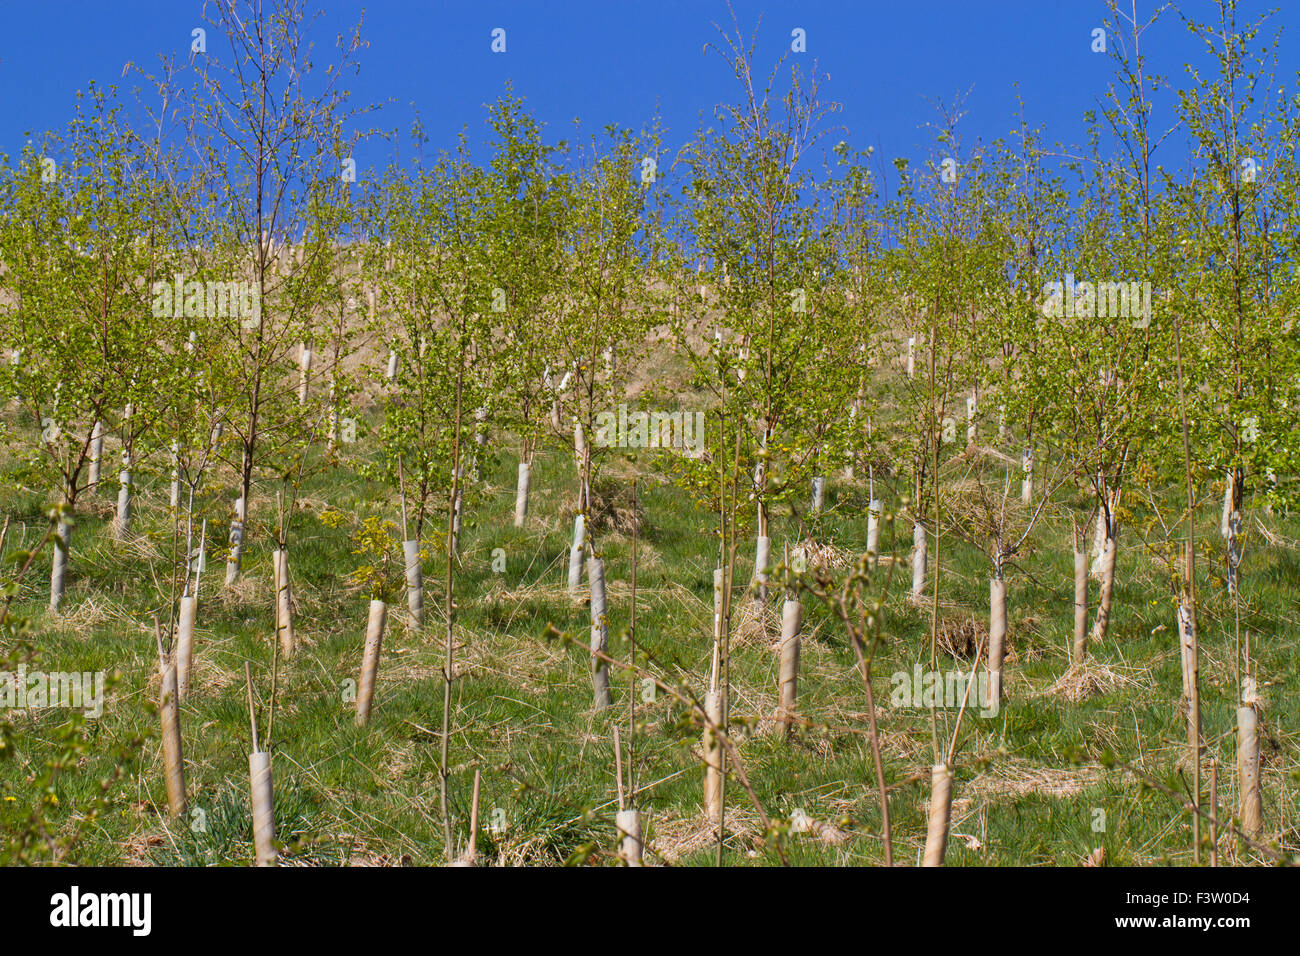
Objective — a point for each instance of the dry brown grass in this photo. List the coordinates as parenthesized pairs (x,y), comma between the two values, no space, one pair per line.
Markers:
(1014,778)
(829,557)
(961,637)
(681,836)
(91,611)
(752,622)
(1091,678)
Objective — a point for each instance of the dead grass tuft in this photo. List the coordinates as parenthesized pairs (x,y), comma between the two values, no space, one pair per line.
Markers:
(614,510)
(754,623)
(830,557)
(1090,679)
(249,589)
(960,638)
(94,610)
(679,837)
(1017,778)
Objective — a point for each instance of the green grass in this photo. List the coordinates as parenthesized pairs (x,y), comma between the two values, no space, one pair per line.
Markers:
(1030,782)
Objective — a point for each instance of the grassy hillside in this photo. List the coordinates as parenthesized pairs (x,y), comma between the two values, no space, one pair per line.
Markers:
(1040,782)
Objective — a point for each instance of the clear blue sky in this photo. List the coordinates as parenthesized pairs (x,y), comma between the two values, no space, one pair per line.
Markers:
(616,61)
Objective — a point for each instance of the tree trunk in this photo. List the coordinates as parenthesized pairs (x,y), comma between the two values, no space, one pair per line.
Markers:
(96,456)
(457,511)
(174,499)
(713,758)
(1099,537)
(1250,805)
(1027,482)
(283,602)
(173,759)
(1185,647)
(414,581)
(1102,624)
(59,566)
(1080,606)
(185,644)
(235,560)
(762,563)
(576,554)
(936,835)
(1189,653)
(1229,503)
(717,626)
(919,558)
(580,459)
(1230,528)
(997,637)
(1105,528)
(263,801)
(331,442)
(304,374)
(599,634)
(370,659)
(122,523)
(788,689)
(873,532)
(521,493)
(629,828)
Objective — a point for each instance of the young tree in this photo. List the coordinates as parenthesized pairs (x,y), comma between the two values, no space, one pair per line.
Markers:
(77,272)
(524,217)
(266,130)
(439,292)
(748,218)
